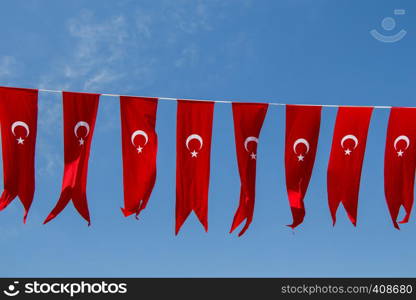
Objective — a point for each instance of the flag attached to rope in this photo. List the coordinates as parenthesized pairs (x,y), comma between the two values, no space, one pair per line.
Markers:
(139,147)
(193,152)
(80,112)
(346,159)
(248,121)
(302,133)
(400,162)
(18,119)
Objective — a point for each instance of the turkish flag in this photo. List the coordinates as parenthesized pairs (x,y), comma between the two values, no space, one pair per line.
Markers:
(302,133)
(248,120)
(400,162)
(346,159)
(80,112)
(18,119)
(193,152)
(139,145)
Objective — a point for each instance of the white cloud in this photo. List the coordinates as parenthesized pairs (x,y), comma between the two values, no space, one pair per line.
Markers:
(8,67)
(98,38)
(110,53)
(95,59)
(49,141)
(51,161)
(100,78)
(50,111)
(191,17)
(144,23)
(189,56)
(99,47)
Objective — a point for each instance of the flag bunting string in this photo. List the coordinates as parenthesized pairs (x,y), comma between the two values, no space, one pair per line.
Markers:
(228,101)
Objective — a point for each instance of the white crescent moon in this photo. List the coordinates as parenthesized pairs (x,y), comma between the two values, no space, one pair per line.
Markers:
(349,137)
(22,124)
(81,124)
(402,138)
(250,139)
(301,141)
(194,137)
(139,132)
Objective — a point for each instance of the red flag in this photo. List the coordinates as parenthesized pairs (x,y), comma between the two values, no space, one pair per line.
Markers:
(302,133)
(346,159)
(139,144)
(400,162)
(80,112)
(248,120)
(193,152)
(18,118)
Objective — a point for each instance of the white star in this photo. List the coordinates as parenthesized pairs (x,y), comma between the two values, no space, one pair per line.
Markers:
(347,152)
(252,155)
(301,157)
(20,141)
(194,153)
(400,153)
(81,141)
(139,149)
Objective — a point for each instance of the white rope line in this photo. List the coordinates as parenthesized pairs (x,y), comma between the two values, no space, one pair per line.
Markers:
(229,102)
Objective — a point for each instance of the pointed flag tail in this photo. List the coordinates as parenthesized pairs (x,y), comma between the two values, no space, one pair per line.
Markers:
(400,162)
(346,159)
(301,140)
(248,121)
(18,118)
(193,156)
(139,150)
(80,113)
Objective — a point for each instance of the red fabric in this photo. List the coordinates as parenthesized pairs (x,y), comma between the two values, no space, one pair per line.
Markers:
(248,120)
(18,119)
(400,162)
(346,159)
(80,112)
(139,145)
(302,130)
(193,151)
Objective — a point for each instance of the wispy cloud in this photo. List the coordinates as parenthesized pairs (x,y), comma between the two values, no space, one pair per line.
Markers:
(99,45)
(8,67)
(189,56)
(191,17)
(102,77)
(93,60)
(144,22)
(49,139)
(125,51)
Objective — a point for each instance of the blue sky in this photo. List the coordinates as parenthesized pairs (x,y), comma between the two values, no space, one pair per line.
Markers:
(292,51)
